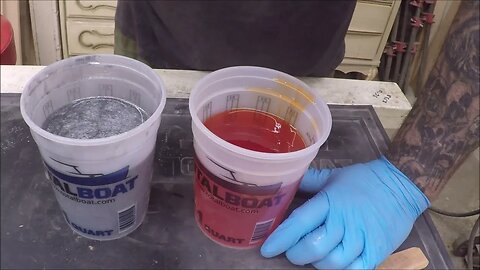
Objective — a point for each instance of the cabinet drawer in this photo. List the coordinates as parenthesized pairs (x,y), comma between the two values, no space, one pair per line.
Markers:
(89,8)
(86,37)
(370,18)
(361,46)
(380,2)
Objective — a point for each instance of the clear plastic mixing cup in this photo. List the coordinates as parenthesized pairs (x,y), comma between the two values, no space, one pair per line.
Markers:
(242,195)
(102,185)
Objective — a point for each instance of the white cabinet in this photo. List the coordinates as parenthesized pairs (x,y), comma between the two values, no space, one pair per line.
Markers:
(88,27)
(367,35)
(90,9)
(86,37)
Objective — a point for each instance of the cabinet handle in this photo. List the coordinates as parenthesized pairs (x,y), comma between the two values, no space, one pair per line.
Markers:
(92,7)
(91,45)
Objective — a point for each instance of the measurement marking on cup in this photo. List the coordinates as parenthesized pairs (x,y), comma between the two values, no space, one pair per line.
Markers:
(187,166)
(126,218)
(48,108)
(207,111)
(86,59)
(73,93)
(263,103)
(291,116)
(105,90)
(311,138)
(232,102)
(261,230)
(134,97)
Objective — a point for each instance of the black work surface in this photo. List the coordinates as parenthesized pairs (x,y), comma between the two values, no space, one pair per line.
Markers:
(35,235)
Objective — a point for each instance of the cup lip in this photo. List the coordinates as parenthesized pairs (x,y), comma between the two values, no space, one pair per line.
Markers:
(240,71)
(97,59)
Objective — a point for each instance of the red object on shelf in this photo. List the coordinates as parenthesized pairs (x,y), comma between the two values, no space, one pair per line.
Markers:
(8,56)
(428,17)
(416,22)
(400,46)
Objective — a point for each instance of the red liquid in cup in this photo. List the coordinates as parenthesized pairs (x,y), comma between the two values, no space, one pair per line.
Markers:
(236,214)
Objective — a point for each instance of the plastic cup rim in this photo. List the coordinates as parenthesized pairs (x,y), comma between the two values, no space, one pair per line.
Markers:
(99,141)
(322,107)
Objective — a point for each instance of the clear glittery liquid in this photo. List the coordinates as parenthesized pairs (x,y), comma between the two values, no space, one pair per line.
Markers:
(95,117)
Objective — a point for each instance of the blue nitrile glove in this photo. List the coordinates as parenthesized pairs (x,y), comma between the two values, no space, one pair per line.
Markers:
(361,214)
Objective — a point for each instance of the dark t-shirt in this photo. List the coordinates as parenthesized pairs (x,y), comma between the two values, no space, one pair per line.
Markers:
(303,38)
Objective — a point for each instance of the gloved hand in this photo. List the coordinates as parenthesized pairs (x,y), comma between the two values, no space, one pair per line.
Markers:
(360,215)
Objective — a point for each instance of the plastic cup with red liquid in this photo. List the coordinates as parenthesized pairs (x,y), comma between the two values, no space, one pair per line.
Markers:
(256,131)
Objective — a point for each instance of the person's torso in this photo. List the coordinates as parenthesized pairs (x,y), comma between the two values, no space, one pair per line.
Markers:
(297,37)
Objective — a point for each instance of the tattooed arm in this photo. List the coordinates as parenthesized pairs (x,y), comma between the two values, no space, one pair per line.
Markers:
(363,212)
(443,126)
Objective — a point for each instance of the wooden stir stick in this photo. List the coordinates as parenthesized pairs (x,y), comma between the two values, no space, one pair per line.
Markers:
(411,258)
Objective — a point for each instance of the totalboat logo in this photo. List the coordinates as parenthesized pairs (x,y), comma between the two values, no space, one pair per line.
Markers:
(90,188)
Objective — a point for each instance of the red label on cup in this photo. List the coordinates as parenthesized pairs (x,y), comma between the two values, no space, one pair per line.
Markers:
(236,214)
